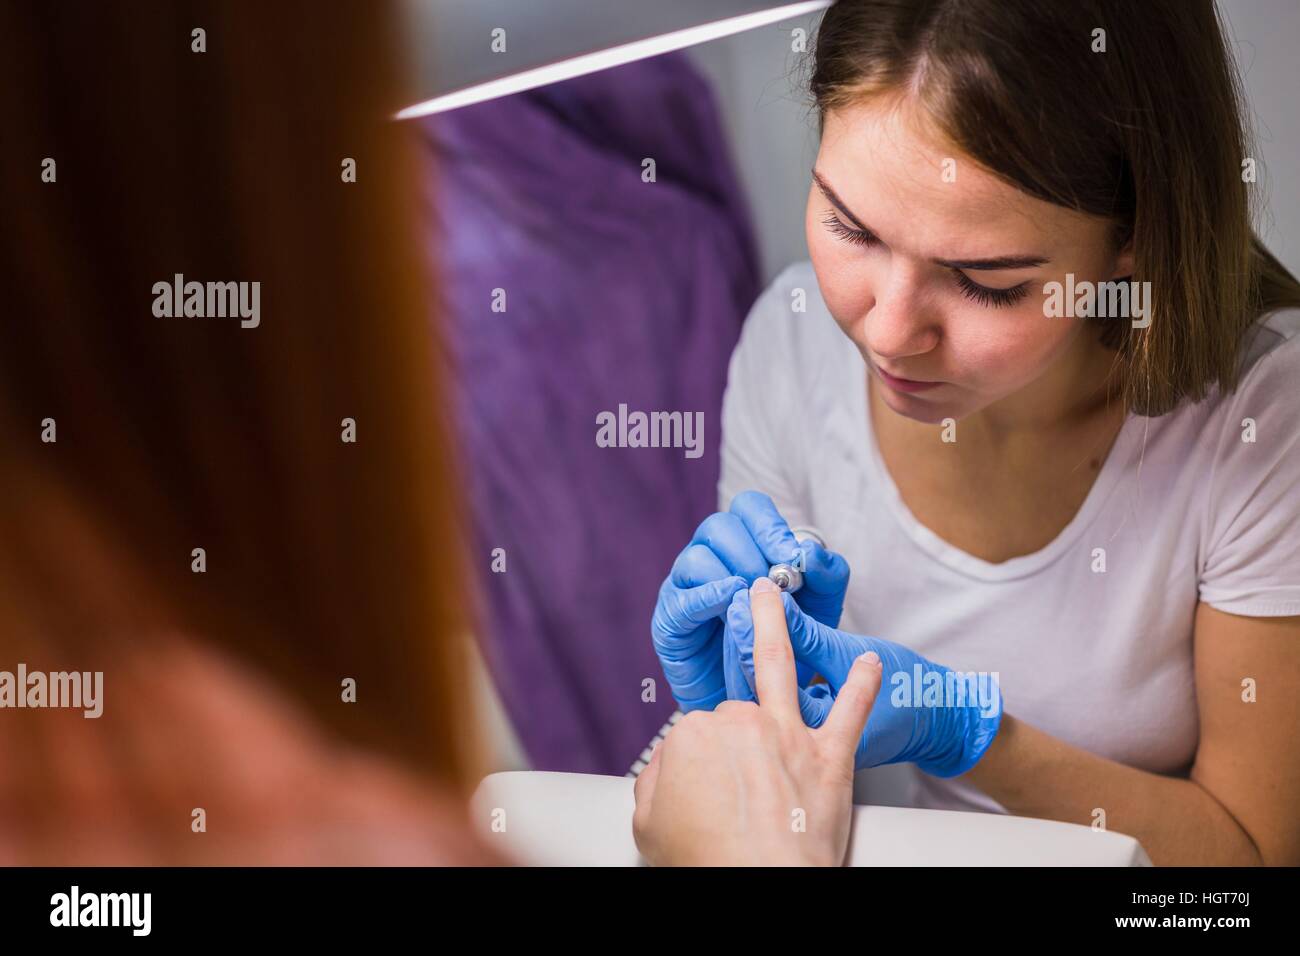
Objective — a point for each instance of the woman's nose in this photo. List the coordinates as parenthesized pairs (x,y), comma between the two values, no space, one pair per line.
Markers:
(900,322)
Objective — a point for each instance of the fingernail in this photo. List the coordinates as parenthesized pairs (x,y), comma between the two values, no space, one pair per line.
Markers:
(763,585)
(872,658)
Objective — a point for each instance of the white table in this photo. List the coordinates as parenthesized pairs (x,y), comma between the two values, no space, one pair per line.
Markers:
(572,819)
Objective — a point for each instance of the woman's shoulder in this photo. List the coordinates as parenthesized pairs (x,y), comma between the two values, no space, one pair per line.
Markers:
(1273,342)
(1268,380)
(1237,441)
(1247,462)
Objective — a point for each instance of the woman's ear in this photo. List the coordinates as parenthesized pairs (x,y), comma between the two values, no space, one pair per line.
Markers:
(1123,267)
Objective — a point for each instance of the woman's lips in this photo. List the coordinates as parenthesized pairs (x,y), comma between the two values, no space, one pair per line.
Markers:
(903,384)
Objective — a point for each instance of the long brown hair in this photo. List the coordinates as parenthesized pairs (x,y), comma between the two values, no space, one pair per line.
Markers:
(1148,134)
(325,559)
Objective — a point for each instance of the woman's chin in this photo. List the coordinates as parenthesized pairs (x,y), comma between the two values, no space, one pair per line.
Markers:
(923,407)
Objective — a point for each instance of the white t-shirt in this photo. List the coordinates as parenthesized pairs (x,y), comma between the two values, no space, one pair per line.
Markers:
(1185,509)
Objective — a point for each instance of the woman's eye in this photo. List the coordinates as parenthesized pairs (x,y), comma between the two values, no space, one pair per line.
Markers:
(995,298)
(855,236)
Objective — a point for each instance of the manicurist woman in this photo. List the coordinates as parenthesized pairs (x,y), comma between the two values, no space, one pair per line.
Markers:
(1094,518)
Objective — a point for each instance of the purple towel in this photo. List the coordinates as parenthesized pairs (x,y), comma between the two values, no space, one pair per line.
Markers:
(618,292)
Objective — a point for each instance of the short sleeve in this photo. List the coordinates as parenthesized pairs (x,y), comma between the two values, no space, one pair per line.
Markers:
(759,433)
(1252,558)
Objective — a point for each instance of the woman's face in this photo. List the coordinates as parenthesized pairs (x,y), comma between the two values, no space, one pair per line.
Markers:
(936,269)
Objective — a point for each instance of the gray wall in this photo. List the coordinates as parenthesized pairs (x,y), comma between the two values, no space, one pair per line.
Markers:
(758,83)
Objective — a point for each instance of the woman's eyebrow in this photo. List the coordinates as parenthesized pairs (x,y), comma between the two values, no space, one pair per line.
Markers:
(992,265)
(986,265)
(829,193)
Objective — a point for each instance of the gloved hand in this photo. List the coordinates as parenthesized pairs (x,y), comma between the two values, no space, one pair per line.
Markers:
(728,552)
(939,719)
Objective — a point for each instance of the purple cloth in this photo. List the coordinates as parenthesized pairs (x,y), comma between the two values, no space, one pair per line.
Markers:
(618,291)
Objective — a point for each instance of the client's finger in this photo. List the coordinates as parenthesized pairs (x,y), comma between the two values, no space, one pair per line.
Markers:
(774,672)
(848,716)
(738,650)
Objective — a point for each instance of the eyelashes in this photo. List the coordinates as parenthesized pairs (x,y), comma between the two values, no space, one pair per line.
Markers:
(855,236)
(990,298)
(994,298)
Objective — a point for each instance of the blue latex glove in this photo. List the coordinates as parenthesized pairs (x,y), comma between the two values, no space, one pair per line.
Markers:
(728,552)
(916,719)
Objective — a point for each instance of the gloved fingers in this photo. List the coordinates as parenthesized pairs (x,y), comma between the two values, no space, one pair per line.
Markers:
(738,665)
(697,565)
(709,601)
(738,680)
(825,572)
(682,611)
(770,532)
(697,679)
(844,726)
(814,643)
(815,704)
(822,691)
(727,537)
(825,582)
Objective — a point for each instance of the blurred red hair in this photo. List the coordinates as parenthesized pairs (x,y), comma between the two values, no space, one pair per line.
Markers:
(326,560)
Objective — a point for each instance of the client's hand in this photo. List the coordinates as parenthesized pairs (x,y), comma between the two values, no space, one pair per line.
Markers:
(728,551)
(937,718)
(748,783)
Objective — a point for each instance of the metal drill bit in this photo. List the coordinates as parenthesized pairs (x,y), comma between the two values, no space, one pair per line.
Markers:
(786,577)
